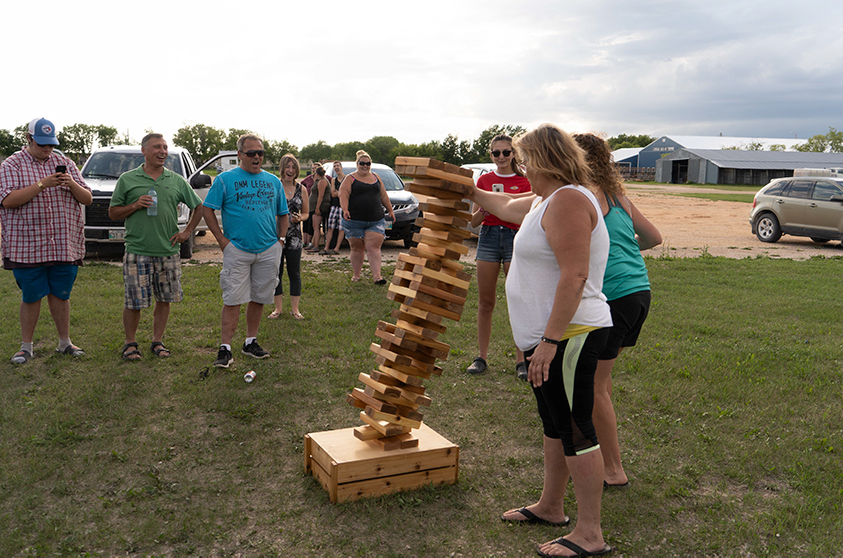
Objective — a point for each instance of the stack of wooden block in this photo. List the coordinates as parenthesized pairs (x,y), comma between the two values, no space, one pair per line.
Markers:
(429,284)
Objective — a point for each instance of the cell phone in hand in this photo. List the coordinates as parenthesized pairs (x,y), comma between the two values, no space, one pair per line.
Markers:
(497,188)
(61,168)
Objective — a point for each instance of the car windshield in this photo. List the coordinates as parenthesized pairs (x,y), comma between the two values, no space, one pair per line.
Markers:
(111,164)
(390,179)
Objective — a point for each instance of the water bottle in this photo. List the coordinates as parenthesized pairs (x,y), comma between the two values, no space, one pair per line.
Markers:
(152,210)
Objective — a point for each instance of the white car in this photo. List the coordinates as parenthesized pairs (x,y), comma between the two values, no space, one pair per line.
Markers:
(479,169)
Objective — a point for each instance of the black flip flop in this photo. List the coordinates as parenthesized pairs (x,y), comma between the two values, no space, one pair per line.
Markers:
(580,551)
(533,519)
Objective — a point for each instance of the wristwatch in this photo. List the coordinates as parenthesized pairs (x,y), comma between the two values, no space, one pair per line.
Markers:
(283,239)
(40,185)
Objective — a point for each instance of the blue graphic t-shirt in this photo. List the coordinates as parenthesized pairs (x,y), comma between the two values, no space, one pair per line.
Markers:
(249,204)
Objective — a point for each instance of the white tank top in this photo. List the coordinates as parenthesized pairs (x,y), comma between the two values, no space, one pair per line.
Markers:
(534,274)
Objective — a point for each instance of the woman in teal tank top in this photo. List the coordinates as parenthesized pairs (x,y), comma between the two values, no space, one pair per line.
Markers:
(627,289)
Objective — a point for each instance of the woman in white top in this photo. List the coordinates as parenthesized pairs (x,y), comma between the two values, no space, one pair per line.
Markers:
(559,318)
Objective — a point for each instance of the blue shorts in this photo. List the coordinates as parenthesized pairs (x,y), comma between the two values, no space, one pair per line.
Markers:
(37,282)
(495,244)
(358,229)
(628,315)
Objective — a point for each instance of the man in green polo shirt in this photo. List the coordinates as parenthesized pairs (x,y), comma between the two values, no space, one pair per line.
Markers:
(151,265)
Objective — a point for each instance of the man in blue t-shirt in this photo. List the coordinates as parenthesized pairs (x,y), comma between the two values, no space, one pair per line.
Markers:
(254,226)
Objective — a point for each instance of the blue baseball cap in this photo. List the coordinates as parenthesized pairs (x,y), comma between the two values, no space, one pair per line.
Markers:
(43,132)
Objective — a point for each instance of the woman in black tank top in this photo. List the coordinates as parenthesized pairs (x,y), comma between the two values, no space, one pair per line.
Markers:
(362,198)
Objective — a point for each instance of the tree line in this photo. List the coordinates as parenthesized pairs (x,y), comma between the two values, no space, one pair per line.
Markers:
(203,142)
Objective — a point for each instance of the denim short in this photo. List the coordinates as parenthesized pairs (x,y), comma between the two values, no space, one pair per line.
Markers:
(495,244)
(37,282)
(358,229)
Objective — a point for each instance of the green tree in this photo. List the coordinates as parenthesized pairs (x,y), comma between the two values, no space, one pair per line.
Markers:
(106,135)
(9,144)
(454,150)
(77,140)
(277,149)
(20,133)
(831,142)
(231,138)
(623,141)
(479,151)
(382,149)
(201,141)
(777,147)
(313,152)
(346,151)
(430,149)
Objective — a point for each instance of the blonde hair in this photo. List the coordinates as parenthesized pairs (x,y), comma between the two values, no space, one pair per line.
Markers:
(361,154)
(553,152)
(604,173)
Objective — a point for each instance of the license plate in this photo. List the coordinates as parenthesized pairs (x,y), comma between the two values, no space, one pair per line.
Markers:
(116,234)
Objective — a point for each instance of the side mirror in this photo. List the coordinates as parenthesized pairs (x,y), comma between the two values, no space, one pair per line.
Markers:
(200,180)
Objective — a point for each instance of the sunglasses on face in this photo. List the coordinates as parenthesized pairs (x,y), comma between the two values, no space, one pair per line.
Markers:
(252,152)
(364,163)
(497,153)
(50,145)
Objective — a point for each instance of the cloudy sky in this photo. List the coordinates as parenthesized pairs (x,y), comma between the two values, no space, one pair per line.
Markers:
(344,71)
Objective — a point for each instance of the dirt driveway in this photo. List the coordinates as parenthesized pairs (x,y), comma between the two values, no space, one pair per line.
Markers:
(690,227)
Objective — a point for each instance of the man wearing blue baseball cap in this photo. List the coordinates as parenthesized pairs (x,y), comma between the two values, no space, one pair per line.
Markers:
(41,232)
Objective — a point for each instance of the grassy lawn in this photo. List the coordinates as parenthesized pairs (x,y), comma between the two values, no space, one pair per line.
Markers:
(729,416)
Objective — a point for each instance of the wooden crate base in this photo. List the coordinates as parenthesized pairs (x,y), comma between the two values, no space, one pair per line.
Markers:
(349,468)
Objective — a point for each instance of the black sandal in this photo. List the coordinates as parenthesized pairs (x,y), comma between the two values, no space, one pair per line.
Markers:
(158,347)
(133,353)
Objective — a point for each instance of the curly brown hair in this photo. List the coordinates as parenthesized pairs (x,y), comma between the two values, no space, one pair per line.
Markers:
(604,173)
(553,152)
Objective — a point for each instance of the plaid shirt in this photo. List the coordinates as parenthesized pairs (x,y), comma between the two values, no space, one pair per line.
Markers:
(48,228)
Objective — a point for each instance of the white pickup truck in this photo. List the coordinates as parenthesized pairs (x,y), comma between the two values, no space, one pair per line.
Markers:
(104,167)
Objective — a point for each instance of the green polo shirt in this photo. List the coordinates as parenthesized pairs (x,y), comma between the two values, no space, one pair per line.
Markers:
(150,235)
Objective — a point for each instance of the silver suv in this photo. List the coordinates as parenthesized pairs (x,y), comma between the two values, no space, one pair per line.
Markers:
(101,171)
(800,206)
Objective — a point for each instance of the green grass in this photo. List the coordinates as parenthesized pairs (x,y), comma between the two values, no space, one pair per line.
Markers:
(743,198)
(729,416)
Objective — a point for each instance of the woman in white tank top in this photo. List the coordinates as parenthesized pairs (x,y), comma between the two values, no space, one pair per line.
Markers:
(559,318)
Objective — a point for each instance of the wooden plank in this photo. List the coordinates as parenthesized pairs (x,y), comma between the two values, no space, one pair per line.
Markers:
(372,402)
(446,233)
(410,375)
(460,279)
(367,433)
(415,400)
(399,483)
(414,386)
(386,428)
(437,253)
(402,401)
(429,224)
(432,191)
(390,355)
(439,210)
(419,162)
(422,238)
(466,183)
(402,441)
(430,325)
(461,204)
(442,219)
(377,386)
(392,419)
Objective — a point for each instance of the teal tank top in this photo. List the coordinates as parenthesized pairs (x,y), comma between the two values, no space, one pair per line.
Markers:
(626,272)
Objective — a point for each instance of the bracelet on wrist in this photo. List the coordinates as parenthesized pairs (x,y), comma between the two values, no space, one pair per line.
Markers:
(551,341)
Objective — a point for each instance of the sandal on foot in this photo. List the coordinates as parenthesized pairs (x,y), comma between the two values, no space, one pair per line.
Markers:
(477,367)
(132,355)
(323,252)
(158,347)
(21,357)
(580,551)
(297,315)
(274,315)
(72,351)
(380,281)
(533,519)
(335,252)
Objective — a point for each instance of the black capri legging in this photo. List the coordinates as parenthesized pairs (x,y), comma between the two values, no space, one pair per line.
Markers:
(293,258)
(566,411)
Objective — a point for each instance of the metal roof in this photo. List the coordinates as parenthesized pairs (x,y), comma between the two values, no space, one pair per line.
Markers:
(724,142)
(769,160)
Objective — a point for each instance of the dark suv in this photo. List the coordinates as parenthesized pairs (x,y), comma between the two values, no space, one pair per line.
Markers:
(800,206)
(404,204)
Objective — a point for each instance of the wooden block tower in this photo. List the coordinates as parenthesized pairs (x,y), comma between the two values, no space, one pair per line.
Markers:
(429,284)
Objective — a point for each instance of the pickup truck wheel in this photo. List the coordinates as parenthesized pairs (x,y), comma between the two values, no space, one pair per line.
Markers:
(186,250)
